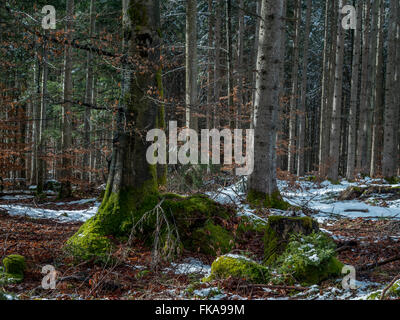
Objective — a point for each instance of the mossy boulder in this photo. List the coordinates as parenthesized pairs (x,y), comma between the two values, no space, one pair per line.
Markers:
(14,267)
(279,231)
(260,199)
(309,259)
(198,220)
(238,267)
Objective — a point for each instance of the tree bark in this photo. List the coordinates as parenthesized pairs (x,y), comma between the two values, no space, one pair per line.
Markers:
(294,93)
(355,74)
(262,182)
(191,65)
(302,108)
(390,146)
(66,172)
(334,152)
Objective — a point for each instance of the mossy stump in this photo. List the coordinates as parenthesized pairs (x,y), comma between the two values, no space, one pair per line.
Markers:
(279,230)
(199,222)
(14,268)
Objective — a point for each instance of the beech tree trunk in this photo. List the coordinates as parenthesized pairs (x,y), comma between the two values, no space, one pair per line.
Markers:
(262,182)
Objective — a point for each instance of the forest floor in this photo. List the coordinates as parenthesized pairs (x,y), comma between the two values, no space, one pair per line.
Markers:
(367,231)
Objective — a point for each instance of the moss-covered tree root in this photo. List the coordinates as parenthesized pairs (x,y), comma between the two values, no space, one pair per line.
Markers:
(198,220)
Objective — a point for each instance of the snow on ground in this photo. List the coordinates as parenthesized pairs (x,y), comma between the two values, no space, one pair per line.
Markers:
(190,265)
(61,215)
(320,197)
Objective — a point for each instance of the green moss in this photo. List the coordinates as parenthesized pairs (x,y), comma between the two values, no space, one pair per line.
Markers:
(309,259)
(238,267)
(197,219)
(260,199)
(248,224)
(393,180)
(14,264)
(278,232)
(211,239)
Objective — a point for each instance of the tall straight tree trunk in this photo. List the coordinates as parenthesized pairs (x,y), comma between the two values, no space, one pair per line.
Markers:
(372,81)
(88,97)
(229,60)
(334,152)
(66,172)
(390,146)
(323,134)
(377,95)
(240,66)
(355,74)
(294,93)
(262,183)
(210,94)
(282,104)
(302,108)
(41,163)
(255,51)
(191,65)
(362,142)
(217,65)
(36,115)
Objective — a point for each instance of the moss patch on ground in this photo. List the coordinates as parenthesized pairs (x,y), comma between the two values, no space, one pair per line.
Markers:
(238,267)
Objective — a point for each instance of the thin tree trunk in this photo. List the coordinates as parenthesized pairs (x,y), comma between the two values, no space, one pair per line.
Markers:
(355,74)
(377,95)
(302,108)
(323,134)
(191,65)
(66,174)
(88,97)
(294,93)
(363,118)
(334,153)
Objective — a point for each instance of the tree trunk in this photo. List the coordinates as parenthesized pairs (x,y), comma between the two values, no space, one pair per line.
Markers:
(334,153)
(132,181)
(352,134)
(363,118)
(323,133)
(262,183)
(294,93)
(66,172)
(191,65)
(390,146)
(377,95)
(302,109)
(217,65)
(88,97)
